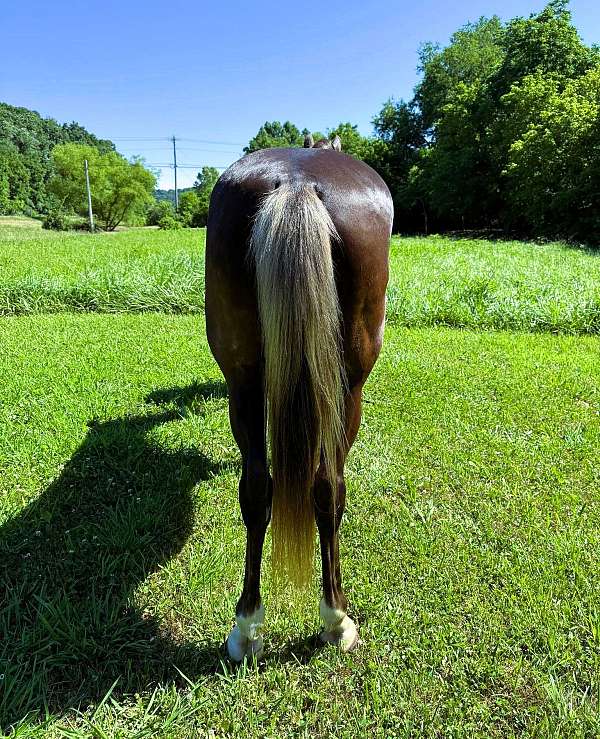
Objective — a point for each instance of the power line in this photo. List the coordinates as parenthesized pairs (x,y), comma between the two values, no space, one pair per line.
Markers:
(216,143)
(196,166)
(139,143)
(186,148)
(134,138)
(186,166)
(210,151)
(164,165)
(169,138)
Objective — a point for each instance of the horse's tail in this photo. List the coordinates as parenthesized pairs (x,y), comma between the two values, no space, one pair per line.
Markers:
(304,374)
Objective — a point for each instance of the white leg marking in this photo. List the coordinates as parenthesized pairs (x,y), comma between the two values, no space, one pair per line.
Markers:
(340,629)
(244,639)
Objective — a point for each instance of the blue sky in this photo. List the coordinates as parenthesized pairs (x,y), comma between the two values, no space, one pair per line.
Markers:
(215,71)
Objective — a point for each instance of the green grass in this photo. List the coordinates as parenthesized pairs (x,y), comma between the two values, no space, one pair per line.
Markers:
(494,285)
(434,281)
(470,550)
(20,222)
(130,271)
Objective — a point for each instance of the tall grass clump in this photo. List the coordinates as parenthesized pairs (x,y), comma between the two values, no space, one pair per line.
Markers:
(464,283)
(503,285)
(169,284)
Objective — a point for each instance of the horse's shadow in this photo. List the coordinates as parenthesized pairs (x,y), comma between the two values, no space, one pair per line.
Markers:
(70,561)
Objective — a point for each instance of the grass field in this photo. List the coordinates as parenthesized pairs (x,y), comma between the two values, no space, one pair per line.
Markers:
(461,283)
(470,550)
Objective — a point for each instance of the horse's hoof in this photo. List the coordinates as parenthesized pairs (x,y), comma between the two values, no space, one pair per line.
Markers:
(344,635)
(240,647)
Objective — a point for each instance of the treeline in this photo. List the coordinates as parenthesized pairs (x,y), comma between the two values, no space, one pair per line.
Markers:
(193,203)
(169,194)
(42,173)
(26,166)
(503,132)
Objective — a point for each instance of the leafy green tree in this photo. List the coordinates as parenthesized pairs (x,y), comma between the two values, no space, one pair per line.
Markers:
(394,153)
(189,205)
(31,138)
(5,199)
(554,166)
(454,179)
(121,190)
(274,134)
(203,187)
(14,180)
(475,52)
(457,169)
(546,43)
(477,97)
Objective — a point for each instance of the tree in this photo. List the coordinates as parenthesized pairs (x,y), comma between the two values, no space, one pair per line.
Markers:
(361,147)
(547,43)
(475,52)
(203,187)
(553,168)
(457,173)
(454,174)
(275,134)
(158,210)
(14,180)
(28,139)
(189,205)
(479,97)
(121,190)
(394,153)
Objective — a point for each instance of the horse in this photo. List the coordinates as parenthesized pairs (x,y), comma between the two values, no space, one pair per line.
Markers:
(296,271)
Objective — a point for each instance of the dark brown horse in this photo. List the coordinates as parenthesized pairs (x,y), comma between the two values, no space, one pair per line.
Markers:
(296,273)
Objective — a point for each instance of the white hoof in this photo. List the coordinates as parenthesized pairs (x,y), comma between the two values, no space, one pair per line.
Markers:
(340,630)
(244,639)
(239,646)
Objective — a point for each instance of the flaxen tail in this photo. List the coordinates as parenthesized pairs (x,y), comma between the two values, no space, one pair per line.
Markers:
(304,375)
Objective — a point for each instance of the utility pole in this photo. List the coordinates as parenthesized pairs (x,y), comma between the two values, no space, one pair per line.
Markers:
(175,169)
(89,194)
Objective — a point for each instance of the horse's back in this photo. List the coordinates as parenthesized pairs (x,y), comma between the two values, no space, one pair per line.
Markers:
(355,196)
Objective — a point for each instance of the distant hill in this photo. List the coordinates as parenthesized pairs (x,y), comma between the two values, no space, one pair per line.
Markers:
(170,194)
(26,142)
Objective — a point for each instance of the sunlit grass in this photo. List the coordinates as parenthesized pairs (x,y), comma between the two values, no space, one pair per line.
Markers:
(433,281)
(470,548)
(494,285)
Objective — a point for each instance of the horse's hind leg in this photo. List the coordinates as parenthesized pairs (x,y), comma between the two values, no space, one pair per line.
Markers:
(339,629)
(246,410)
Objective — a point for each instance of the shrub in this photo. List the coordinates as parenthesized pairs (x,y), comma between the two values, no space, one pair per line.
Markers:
(55,220)
(168,223)
(82,224)
(188,207)
(158,211)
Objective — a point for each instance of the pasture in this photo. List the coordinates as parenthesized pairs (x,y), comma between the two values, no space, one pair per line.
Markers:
(470,547)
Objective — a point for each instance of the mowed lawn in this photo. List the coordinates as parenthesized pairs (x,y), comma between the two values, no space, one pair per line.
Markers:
(470,547)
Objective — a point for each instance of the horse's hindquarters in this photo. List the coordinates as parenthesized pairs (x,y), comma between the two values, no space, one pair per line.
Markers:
(260,317)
